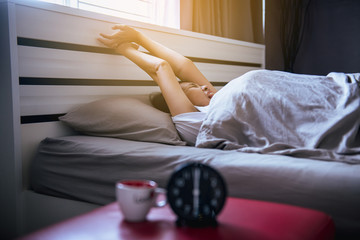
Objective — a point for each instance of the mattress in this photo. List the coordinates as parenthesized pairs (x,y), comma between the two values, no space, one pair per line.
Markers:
(86,168)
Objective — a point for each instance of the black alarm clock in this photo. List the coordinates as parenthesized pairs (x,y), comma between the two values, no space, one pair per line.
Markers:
(196,193)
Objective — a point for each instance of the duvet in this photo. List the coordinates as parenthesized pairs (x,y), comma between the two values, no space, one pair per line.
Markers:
(276,112)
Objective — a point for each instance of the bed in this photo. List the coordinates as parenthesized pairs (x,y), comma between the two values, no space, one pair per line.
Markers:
(117,143)
(73,161)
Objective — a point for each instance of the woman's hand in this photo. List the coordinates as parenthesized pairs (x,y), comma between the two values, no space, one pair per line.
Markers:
(119,48)
(125,34)
(123,39)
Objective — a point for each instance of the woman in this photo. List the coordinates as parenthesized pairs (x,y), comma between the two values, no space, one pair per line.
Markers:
(262,111)
(185,100)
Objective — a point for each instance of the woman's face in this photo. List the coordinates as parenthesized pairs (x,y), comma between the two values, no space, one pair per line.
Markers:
(198,95)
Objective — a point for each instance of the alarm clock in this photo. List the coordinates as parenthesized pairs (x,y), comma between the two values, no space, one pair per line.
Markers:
(196,193)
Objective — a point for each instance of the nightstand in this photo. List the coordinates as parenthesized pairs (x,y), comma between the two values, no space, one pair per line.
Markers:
(240,219)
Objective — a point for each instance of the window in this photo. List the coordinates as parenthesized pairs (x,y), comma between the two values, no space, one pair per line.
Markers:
(160,12)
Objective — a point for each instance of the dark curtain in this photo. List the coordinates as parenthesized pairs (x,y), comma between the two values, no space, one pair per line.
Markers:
(293,22)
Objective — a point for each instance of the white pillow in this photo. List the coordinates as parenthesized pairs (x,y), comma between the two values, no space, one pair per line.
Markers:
(123,117)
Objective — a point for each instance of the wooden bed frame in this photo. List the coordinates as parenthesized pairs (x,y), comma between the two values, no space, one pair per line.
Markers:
(52,62)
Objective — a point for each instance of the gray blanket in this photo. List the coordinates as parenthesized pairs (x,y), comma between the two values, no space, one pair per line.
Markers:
(290,114)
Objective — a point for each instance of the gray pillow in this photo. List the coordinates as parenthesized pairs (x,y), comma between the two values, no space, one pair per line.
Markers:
(123,117)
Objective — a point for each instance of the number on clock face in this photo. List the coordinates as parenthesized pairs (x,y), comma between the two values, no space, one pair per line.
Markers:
(196,191)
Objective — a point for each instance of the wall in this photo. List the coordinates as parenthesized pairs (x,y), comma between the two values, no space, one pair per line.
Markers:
(9,159)
(331,37)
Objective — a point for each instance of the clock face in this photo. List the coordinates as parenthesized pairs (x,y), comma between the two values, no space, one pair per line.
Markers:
(196,192)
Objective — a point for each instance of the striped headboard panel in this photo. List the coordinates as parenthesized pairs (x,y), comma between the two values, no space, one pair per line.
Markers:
(60,64)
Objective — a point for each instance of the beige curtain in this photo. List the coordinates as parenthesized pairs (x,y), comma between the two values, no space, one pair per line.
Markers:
(237,19)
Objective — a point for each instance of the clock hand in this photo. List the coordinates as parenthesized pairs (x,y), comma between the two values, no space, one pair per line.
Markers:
(196,191)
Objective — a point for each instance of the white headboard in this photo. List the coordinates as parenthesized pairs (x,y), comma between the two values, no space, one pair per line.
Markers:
(60,64)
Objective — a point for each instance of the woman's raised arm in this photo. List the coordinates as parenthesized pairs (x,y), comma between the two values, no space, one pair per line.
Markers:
(183,67)
(160,71)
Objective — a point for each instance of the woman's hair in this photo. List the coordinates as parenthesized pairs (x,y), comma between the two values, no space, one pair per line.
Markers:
(158,101)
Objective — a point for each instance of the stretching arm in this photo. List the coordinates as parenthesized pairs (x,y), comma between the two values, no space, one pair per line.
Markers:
(161,72)
(183,67)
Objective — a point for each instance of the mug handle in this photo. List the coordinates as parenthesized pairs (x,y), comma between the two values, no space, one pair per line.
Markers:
(161,203)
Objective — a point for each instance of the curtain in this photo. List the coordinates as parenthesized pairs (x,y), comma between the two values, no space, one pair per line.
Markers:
(237,19)
(294,15)
(166,13)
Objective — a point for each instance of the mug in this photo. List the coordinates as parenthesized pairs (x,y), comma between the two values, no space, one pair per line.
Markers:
(137,197)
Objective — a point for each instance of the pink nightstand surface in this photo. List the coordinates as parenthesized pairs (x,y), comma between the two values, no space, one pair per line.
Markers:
(240,219)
